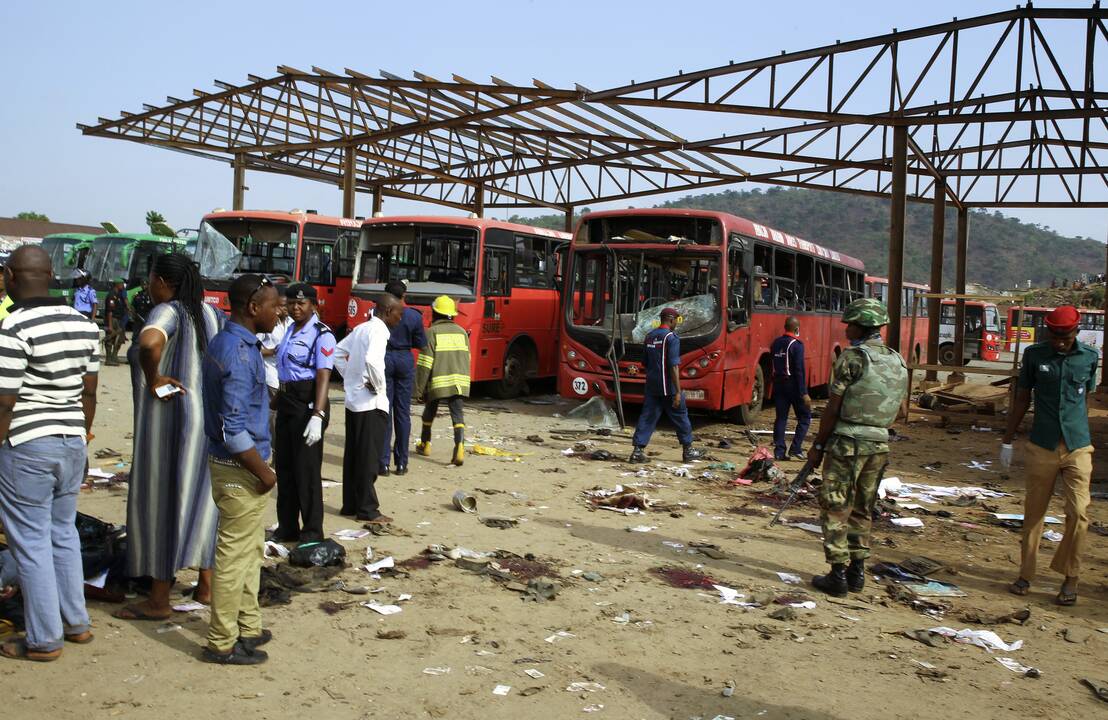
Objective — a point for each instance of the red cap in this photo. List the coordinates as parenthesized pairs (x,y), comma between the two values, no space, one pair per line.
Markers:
(1063,319)
(669,312)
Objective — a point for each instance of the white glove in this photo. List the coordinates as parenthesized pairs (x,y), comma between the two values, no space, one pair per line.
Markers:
(1005,455)
(314,432)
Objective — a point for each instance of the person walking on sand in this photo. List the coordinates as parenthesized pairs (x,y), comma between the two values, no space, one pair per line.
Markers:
(1060,372)
(399,374)
(442,373)
(790,390)
(236,423)
(171,518)
(48,378)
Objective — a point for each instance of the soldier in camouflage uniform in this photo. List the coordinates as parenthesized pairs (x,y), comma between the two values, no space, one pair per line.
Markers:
(868,384)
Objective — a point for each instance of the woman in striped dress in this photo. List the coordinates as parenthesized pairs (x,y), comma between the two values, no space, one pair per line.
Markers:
(171,518)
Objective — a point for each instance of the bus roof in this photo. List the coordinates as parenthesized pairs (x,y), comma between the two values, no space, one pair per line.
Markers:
(917,286)
(80,237)
(140,237)
(746,227)
(283,216)
(481,223)
(1037,308)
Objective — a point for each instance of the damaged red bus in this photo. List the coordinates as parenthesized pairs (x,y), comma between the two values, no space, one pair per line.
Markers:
(733,281)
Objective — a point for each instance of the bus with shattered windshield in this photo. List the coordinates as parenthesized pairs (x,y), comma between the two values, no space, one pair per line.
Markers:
(67,252)
(286,247)
(126,256)
(503,276)
(733,282)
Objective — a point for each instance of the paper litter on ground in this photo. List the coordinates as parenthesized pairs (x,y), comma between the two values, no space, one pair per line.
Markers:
(273,549)
(191,606)
(730,596)
(534,674)
(329,484)
(1053,536)
(804,526)
(790,578)
(98,473)
(1013,665)
(436,671)
(560,635)
(380,565)
(99,581)
(350,533)
(908,522)
(383,609)
(986,639)
(576,687)
(642,528)
(501,690)
(1049,519)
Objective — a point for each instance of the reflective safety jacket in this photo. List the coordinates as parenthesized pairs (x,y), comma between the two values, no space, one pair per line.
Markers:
(442,370)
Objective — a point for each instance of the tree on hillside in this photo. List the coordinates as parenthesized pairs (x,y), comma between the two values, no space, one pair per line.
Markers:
(28,215)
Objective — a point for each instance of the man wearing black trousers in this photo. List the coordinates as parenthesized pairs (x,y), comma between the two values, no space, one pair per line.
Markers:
(360,357)
(790,390)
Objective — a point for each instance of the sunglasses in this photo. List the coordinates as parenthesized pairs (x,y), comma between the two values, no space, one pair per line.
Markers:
(263,281)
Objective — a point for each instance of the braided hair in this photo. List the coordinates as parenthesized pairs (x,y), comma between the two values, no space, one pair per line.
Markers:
(183,275)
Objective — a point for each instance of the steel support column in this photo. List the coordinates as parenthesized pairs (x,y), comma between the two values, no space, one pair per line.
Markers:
(378,196)
(569,220)
(348,179)
(934,305)
(479,201)
(896,235)
(238,191)
(1104,366)
(960,286)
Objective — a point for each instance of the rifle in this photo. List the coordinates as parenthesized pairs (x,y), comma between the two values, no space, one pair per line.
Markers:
(800,481)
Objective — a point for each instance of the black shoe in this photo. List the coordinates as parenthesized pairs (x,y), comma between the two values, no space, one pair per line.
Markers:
(401,470)
(780,456)
(797,455)
(239,655)
(383,472)
(280,537)
(689,453)
(347,513)
(834,582)
(637,456)
(253,643)
(856,576)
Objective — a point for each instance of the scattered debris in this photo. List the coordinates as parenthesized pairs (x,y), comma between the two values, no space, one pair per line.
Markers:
(687,579)
(986,639)
(576,687)
(391,634)
(464,501)
(499,521)
(978,617)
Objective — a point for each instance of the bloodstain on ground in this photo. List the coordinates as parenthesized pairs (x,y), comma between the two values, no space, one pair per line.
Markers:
(687,579)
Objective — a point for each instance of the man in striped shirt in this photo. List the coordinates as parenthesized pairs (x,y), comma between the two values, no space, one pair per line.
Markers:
(48,373)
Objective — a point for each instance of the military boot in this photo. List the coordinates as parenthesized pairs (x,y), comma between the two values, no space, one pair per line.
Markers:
(834,582)
(637,455)
(856,575)
(689,453)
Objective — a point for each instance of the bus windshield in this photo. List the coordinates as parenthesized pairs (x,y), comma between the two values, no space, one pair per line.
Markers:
(435,259)
(109,258)
(642,283)
(267,246)
(61,257)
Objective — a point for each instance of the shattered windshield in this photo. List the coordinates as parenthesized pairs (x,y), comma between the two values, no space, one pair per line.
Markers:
(641,285)
(434,259)
(61,258)
(264,246)
(109,258)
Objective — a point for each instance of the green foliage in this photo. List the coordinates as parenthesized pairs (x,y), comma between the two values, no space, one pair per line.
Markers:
(28,215)
(153,216)
(550,222)
(1004,253)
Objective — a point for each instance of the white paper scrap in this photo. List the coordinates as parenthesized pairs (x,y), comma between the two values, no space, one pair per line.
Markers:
(99,580)
(790,578)
(576,687)
(908,522)
(889,486)
(383,609)
(642,528)
(533,673)
(1053,536)
(501,690)
(380,565)
(191,606)
(986,639)
(560,635)
(273,549)
(436,671)
(1013,665)
(350,534)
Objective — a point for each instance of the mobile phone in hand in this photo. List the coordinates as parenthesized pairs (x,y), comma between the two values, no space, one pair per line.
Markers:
(164,391)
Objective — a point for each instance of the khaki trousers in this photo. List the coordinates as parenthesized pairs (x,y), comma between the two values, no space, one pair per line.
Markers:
(1044,468)
(239,551)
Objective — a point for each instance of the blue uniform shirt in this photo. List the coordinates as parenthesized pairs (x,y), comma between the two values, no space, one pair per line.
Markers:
(788,363)
(408,333)
(236,399)
(84,298)
(663,351)
(302,352)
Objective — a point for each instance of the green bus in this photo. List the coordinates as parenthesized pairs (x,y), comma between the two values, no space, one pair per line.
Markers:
(68,252)
(126,255)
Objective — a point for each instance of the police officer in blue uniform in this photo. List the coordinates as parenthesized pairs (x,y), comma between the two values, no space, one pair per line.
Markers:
(400,377)
(305,358)
(790,390)
(663,390)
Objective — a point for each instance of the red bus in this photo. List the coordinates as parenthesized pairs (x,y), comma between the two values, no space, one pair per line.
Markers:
(981,337)
(287,247)
(733,281)
(1090,330)
(878,287)
(503,276)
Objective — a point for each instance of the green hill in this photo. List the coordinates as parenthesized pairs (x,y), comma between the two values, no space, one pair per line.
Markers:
(1003,251)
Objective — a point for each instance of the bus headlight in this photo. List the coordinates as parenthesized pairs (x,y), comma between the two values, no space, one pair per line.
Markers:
(704,362)
(691,372)
(572,354)
(580,364)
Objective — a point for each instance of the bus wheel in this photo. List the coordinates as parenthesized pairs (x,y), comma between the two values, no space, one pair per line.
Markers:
(946,354)
(748,414)
(513,379)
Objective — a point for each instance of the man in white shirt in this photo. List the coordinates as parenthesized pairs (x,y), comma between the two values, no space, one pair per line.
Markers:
(271,340)
(360,358)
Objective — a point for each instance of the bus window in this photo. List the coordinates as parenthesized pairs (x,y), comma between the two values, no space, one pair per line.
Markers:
(784,285)
(316,265)
(992,319)
(346,249)
(838,288)
(823,286)
(909,301)
(763,263)
(532,262)
(805,282)
(737,311)
(497,280)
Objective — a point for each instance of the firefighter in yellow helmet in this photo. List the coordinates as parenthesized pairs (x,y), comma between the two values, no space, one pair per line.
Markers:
(442,373)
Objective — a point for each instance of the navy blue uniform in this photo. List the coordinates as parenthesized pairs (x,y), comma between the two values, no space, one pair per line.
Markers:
(663,351)
(399,379)
(790,385)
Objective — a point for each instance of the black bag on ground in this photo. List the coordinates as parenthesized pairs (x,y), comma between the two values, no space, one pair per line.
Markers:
(103,546)
(318,554)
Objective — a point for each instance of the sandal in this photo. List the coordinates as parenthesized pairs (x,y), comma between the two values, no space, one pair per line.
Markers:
(135,612)
(80,638)
(18,650)
(1019,587)
(1065,599)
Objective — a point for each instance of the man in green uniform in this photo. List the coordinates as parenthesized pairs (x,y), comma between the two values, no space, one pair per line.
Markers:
(868,384)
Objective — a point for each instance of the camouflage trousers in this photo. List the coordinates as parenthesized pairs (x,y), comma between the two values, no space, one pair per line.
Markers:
(846,501)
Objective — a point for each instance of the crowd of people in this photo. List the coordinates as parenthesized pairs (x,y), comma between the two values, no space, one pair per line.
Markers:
(229,408)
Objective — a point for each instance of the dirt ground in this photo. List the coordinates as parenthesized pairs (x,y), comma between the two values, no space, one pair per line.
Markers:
(658,651)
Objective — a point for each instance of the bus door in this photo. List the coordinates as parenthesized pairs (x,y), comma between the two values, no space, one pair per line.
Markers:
(532,310)
(496,303)
(737,353)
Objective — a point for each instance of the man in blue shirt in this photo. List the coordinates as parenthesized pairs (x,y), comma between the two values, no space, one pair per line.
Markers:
(236,423)
(663,390)
(790,390)
(84,299)
(399,376)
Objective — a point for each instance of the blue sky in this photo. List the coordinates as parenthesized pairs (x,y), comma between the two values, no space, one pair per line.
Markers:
(70,62)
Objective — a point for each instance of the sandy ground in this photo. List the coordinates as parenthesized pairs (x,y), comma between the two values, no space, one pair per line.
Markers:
(658,651)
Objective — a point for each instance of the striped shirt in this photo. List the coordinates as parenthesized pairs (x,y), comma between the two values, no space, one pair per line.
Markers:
(46,349)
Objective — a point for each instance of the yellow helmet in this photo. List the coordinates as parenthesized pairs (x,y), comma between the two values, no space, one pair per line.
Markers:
(443,305)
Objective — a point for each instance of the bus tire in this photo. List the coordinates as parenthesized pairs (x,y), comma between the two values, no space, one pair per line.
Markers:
(946,354)
(748,414)
(513,376)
